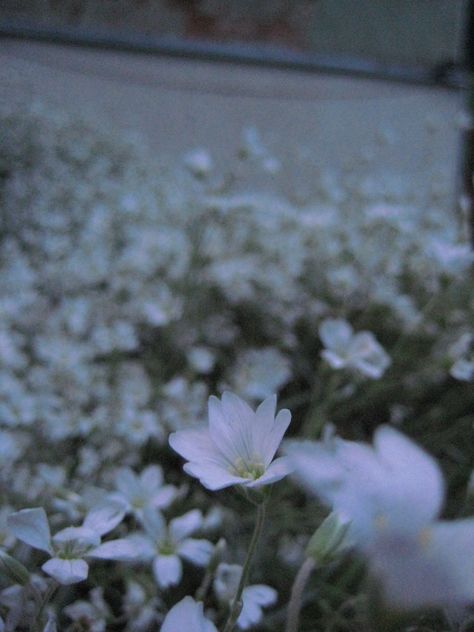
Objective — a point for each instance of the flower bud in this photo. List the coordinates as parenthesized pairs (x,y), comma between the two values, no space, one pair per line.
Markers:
(13,570)
(328,540)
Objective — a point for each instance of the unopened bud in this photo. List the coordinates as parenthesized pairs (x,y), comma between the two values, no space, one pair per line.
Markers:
(13,570)
(328,540)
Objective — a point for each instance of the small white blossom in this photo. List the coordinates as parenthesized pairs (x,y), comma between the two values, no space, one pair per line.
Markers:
(239,445)
(70,546)
(147,489)
(360,351)
(166,544)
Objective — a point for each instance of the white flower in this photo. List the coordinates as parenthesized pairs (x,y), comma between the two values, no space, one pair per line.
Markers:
(260,372)
(143,490)
(360,351)
(254,598)
(392,494)
(239,445)
(70,546)
(187,615)
(165,545)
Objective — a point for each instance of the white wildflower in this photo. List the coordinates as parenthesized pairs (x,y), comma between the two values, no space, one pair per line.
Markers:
(166,544)
(360,351)
(239,445)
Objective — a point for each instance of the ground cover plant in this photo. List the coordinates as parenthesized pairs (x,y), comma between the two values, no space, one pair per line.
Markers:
(224,408)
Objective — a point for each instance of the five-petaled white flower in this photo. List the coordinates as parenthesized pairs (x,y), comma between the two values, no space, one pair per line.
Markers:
(70,546)
(239,445)
(345,349)
(392,494)
(187,615)
(165,545)
(146,489)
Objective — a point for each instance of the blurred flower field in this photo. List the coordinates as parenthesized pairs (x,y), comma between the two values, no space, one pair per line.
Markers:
(129,295)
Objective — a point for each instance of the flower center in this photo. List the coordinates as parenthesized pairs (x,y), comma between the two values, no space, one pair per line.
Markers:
(71,550)
(253,469)
(166,547)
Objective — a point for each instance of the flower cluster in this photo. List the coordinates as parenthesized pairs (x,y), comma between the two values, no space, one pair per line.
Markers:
(130,292)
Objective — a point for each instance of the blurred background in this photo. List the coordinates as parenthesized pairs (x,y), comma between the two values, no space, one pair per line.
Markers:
(335,79)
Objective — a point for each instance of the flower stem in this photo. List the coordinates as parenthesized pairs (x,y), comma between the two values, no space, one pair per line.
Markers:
(296,598)
(237,602)
(48,595)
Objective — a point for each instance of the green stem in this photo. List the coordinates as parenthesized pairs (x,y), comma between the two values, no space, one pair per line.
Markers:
(323,396)
(46,599)
(237,602)
(294,607)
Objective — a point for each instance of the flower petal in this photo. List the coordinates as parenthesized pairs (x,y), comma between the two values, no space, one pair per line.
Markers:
(212,475)
(334,360)
(453,544)
(167,570)
(194,444)
(253,598)
(66,571)
(187,615)
(153,523)
(230,422)
(106,516)
(273,438)
(164,496)
(145,546)
(197,551)
(185,525)
(415,479)
(151,478)
(335,333)
(123,550)
(128,483)
(315,467)
(31,526)
(81,536)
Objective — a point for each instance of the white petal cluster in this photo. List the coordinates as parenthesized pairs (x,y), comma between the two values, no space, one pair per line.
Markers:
(239,445)
(139,492)
(345,349)
(392,494)
(69,547)
(164,545)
